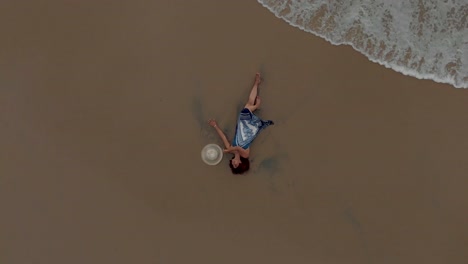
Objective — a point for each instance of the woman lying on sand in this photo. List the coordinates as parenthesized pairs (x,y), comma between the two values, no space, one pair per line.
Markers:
(247,128)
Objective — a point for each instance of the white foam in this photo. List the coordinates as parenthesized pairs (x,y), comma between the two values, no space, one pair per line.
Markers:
(424,39)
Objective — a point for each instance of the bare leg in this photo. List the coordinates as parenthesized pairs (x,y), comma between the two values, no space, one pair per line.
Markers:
(253,103)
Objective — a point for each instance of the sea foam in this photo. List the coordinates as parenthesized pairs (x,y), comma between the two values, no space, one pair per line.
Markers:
(426,39)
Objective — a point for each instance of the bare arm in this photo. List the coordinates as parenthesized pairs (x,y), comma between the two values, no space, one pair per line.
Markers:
(223,137)
(220,133)
(242,152)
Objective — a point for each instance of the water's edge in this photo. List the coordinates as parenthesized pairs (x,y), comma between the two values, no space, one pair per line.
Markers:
(396,68)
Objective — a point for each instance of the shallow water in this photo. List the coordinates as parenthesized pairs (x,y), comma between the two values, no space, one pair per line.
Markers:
(424,39)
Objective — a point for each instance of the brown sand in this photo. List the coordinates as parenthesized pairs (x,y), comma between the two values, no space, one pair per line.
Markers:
(102,118)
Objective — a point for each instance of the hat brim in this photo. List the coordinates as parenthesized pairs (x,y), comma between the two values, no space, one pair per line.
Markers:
(209,161)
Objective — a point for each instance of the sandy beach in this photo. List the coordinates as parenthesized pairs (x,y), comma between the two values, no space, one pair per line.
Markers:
(103,114)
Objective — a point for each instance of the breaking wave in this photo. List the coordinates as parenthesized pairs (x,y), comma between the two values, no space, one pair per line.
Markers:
(424,39)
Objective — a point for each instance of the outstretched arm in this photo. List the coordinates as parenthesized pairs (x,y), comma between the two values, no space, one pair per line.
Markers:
(221,134)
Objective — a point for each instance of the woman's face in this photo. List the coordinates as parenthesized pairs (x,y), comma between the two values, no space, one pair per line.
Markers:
(235,162)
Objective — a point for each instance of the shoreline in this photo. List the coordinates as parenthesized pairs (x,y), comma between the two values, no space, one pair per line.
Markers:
(103,123)
(398,68)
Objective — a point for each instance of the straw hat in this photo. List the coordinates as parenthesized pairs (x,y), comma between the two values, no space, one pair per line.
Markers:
(212,154)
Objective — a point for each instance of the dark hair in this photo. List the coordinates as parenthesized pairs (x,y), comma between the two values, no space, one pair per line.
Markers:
(243,166)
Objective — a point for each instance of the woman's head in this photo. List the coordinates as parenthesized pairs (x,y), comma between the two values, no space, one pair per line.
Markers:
(239,166)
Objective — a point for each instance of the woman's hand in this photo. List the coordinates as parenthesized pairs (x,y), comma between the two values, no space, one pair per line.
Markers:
(213,123)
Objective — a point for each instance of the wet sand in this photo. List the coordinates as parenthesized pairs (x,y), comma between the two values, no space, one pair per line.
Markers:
(103,109)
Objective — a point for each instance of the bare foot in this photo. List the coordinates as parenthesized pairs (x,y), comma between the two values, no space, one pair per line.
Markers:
(258,78)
